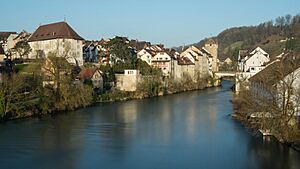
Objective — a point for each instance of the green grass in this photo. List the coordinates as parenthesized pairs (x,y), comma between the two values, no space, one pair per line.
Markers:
(26,68)
(20,67)
(233,46)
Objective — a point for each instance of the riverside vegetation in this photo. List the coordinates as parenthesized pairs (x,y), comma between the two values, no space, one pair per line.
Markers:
(273,108)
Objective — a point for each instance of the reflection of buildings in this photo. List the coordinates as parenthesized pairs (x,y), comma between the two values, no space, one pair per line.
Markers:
(156,120)
(212,115)
(127,112)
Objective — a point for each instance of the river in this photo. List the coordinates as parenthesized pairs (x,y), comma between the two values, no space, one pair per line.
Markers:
(190,130)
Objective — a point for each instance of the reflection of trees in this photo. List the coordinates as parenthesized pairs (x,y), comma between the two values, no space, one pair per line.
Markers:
(271,154)
(58,142)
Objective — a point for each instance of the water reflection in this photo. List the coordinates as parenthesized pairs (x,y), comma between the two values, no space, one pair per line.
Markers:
(188,130)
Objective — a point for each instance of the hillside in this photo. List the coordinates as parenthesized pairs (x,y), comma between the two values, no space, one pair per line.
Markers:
(271,36)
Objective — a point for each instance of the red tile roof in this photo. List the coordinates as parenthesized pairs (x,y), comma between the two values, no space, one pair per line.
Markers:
(60,30)
(184,61)
(87,73)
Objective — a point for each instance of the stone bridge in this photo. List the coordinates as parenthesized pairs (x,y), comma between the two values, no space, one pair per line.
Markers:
(225,74)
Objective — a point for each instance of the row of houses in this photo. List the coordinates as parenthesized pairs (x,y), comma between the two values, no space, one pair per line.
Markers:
(191,61)
(61,39)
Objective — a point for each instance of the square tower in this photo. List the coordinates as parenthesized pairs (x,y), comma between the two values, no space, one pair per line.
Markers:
(212,47)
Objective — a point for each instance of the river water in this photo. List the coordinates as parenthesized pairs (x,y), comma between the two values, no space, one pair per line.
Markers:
(191,130)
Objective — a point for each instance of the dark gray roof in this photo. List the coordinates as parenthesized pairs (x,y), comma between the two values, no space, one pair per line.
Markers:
(5,35)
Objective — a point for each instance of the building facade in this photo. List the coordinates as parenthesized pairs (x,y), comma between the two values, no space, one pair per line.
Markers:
(212,47)
(162,60)
(57,38)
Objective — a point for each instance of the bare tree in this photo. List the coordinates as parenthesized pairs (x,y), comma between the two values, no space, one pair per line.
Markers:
(274,99)
(61,90)
(23,49)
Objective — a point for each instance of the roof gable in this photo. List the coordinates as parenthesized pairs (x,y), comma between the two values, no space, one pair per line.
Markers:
(185,61)
(257,56)
(258,49)
(88,73)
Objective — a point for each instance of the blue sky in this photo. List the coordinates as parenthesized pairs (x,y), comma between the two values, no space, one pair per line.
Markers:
(172,22)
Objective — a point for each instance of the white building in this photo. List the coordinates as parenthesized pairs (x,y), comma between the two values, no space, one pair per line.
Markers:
(6,40)
(162,60)
(146,55)
(254,61)
(279,77)
(250,64)
(227,61)
(58,38)
(192,62)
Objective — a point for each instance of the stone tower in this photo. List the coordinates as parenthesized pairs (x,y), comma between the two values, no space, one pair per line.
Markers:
(212,47)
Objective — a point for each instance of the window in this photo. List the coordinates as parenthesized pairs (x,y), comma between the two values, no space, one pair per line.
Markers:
(130,72)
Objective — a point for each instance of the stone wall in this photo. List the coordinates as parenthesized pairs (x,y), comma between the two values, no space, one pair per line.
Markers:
(127,81)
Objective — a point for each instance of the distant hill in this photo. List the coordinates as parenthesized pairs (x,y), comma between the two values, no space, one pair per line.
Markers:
(271,36)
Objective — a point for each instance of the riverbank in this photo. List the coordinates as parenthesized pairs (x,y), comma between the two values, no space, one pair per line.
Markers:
(113,96)
(256,127)
(125,96)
